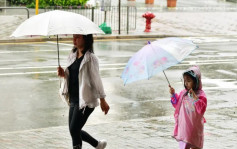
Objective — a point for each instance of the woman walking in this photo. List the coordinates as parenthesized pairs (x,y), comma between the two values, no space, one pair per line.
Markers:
(81,89)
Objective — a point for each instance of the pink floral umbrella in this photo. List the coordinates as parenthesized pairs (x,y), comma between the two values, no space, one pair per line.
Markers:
(156,57)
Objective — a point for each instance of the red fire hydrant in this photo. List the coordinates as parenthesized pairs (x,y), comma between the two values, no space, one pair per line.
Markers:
(148,16)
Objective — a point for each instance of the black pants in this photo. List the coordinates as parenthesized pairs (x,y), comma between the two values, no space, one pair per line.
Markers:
(77,119)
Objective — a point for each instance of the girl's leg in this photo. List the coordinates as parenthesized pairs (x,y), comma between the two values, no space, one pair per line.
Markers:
(191,146)
(183,145)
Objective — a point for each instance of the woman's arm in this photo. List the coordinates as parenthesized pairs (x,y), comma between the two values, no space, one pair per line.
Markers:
(95,78)
(104,105)
(97,83)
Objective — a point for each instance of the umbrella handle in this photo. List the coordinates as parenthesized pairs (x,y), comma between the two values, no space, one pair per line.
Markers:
(175,100)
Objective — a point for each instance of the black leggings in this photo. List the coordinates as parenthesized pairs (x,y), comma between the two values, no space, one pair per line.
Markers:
(77,119)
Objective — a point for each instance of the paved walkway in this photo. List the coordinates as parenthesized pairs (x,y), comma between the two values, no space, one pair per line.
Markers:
(150,133)
(182,21)
(124,134)
(192,24)
(165,24)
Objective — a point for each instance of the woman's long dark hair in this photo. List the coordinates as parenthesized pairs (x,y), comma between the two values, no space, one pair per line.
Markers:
(88,44)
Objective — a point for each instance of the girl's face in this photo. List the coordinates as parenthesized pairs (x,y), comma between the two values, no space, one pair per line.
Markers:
(78,41)
(188,82)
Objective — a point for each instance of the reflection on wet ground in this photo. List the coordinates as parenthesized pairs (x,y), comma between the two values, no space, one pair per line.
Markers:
(29,86)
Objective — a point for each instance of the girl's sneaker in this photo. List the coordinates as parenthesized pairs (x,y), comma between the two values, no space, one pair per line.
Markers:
(102,144)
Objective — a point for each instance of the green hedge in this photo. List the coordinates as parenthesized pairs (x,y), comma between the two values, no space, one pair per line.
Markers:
(46,3)
(20,2)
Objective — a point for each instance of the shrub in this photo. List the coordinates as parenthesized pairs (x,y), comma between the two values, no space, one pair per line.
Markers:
(46,3)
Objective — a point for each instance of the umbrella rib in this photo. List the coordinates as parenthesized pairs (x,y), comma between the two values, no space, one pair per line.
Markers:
(147,70)
(154,51)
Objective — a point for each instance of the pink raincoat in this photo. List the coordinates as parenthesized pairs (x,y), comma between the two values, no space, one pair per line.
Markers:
(189,120)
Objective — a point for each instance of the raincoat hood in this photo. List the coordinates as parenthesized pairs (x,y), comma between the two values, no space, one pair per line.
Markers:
(196,73)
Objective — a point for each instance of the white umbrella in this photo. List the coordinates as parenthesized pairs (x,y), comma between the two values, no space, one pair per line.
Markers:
(56,23)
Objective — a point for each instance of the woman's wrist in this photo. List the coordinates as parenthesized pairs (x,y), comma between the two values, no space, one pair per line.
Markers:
(102,100)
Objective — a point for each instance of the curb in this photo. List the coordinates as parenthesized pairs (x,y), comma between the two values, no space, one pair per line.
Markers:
(95,37)
(109,37)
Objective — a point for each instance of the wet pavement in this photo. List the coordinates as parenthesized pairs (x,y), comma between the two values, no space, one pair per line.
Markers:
(33,116)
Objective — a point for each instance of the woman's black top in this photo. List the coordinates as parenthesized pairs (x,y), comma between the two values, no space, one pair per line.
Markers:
(73,80)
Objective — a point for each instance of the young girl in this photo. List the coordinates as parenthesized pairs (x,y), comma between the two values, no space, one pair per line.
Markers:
(190,105)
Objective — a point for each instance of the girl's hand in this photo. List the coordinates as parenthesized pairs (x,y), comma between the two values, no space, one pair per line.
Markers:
(104,105)
(61,72)
(192,93)
(172,91)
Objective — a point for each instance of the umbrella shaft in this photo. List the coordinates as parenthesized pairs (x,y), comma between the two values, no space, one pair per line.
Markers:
(58,51)
(166,77)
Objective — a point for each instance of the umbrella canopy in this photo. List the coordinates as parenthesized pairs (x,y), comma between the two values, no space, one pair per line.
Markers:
(56,23)
(156,57)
